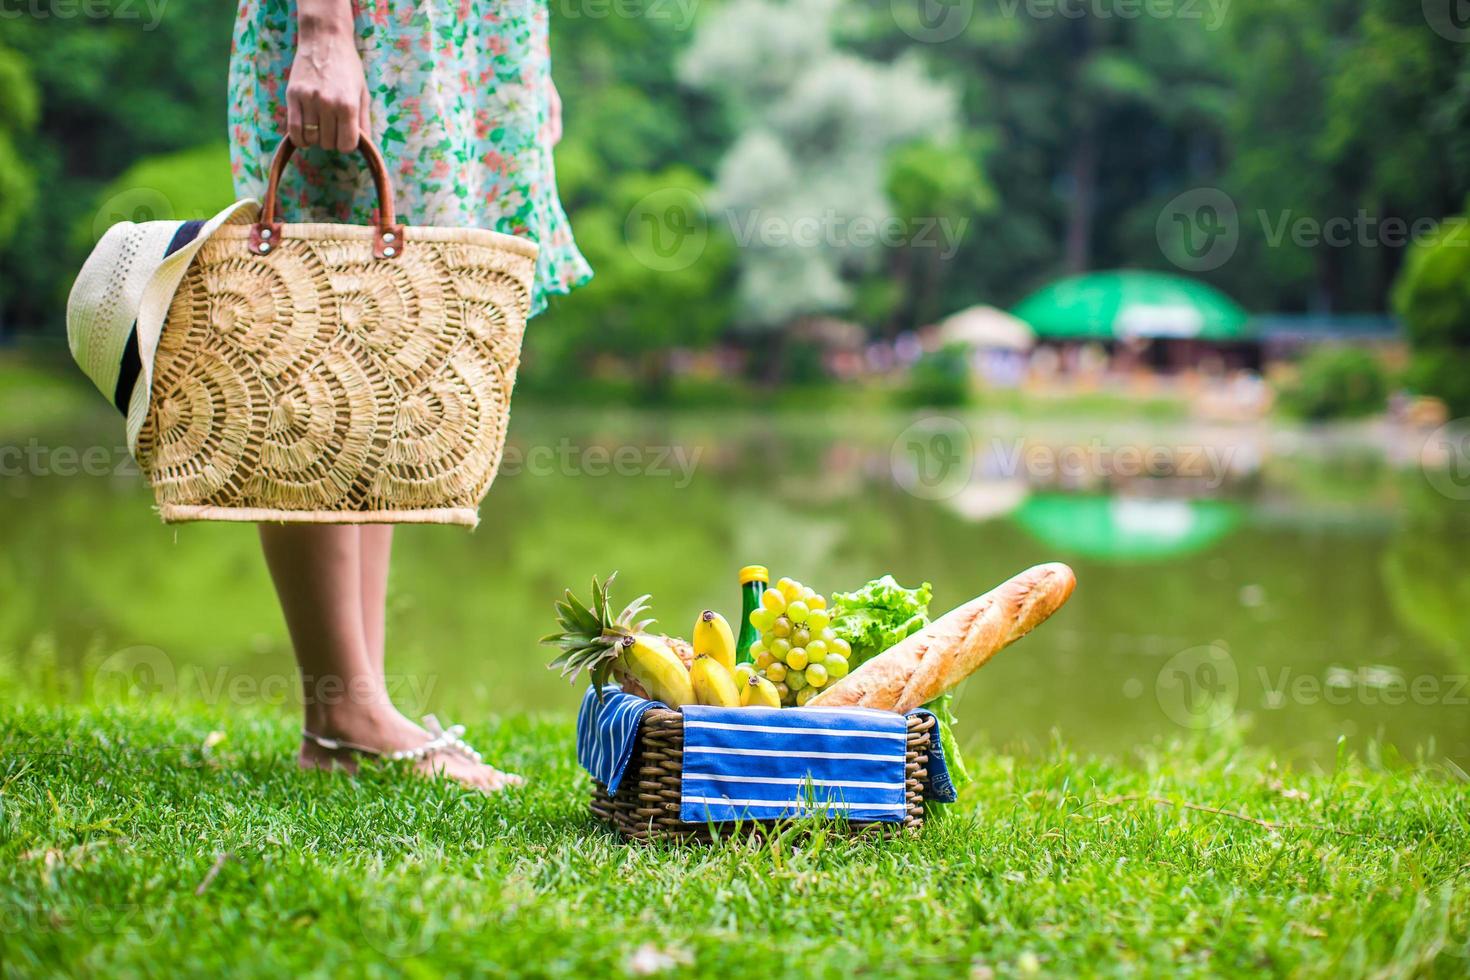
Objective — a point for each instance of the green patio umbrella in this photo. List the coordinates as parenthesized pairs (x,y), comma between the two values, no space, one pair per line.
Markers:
(1130,303)
(1125,528)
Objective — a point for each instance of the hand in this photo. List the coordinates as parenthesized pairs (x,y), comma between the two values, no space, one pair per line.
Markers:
(553,113)
(326,97)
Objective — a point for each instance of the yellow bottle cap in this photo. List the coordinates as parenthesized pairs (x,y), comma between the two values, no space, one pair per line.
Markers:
(754,573)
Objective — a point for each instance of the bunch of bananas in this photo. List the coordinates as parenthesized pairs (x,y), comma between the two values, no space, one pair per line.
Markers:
(717,679)
(663,668)
(712,677)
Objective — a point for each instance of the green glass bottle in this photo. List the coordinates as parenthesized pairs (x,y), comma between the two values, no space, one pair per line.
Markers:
(753,581)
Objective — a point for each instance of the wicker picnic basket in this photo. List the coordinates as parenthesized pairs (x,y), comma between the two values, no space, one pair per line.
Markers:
(646,806)
(334,373)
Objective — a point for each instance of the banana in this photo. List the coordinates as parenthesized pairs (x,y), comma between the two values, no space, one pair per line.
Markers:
(658,668)
(713,683)
(759,693)
(714,638)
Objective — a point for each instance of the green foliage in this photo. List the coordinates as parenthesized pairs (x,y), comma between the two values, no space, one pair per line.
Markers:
(1340,109)
(927,179)
(156,838)
(939,191)
(19,107)
(1336,382)
(1085,127)
(940,379)
(662,280)
(183,186)
(802,183)
(119,81)
(1432,298)
(1443,372)
(1084,119)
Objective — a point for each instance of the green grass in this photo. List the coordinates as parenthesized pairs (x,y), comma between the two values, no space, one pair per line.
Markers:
(115,821)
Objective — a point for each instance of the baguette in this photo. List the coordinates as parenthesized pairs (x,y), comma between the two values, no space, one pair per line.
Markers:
(923,666)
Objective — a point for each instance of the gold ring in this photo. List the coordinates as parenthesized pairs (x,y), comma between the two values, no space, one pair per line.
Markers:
(311,126)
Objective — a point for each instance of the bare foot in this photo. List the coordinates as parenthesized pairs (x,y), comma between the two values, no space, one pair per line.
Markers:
(388,731)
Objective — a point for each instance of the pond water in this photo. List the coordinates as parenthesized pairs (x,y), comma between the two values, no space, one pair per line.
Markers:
(1293,589)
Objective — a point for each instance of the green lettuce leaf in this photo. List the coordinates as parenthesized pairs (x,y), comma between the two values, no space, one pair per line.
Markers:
(875,617)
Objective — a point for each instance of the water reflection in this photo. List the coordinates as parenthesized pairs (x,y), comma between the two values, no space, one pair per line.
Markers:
(1296,599)
(1123,528)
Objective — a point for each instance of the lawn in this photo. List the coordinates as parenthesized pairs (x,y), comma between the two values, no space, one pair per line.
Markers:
(160,838)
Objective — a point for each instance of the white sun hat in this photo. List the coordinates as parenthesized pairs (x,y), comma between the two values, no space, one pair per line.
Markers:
(117,307)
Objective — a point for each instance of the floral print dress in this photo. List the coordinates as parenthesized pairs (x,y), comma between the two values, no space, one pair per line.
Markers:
(460,97)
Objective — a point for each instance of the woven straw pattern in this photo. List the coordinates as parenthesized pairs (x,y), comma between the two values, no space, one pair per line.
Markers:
(319,384)
(646,807)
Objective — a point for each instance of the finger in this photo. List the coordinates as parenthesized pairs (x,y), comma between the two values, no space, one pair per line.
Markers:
(327,136)
(311,122)
(293,119)
(347,128)
(365,114)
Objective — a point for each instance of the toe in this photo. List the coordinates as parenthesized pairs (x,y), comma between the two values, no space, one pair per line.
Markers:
(504,780)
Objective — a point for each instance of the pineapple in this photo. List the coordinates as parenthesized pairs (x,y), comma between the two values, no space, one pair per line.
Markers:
(591,639)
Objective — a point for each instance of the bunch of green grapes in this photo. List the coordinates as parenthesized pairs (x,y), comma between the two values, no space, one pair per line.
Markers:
(797,650)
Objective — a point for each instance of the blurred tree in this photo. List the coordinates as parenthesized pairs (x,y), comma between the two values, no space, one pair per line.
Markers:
(802,186)
(1351,122)
(1336,382)
(1432,297)
(193,183)
(938,190)
(1083,121)
(119,80)
(940,379)
(623,107)
(19,107)
(662,282)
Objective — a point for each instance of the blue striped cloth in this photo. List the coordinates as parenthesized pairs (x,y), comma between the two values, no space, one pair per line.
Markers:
(763,764)
(607,730)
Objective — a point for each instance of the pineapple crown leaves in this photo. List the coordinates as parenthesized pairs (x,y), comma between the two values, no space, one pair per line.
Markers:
(589,634)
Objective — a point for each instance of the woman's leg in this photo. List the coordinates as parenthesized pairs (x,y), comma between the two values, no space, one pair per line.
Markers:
(316,574)
(377,548)
(319,573)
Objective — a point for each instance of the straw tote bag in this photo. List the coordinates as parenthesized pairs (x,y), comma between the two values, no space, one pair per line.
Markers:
(334,373)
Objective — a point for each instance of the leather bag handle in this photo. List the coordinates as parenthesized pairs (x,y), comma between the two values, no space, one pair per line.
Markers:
(388,235)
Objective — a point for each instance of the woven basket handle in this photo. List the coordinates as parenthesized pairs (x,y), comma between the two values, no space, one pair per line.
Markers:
(388,234)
